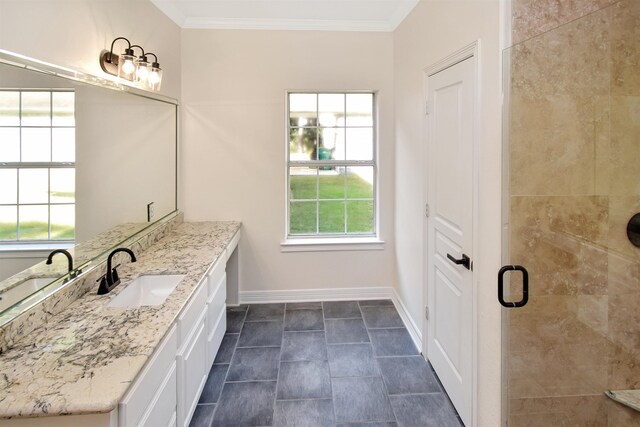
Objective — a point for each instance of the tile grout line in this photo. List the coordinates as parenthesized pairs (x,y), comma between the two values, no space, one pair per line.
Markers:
(384,383)
(326,345)
(229,368)
(275,394)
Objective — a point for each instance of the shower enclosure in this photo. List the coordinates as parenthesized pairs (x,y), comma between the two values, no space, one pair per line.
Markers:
(572,183)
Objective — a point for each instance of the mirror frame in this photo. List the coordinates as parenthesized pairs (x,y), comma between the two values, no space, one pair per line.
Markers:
(31,64)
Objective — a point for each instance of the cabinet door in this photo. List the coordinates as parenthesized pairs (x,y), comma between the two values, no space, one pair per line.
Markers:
(192,372)
(162,410)
(141,394)
(216,318)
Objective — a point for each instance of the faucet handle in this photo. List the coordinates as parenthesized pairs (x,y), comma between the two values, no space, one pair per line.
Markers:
(114,275)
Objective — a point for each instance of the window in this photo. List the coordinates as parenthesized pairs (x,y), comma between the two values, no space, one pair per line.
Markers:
(37,165)
(331,164)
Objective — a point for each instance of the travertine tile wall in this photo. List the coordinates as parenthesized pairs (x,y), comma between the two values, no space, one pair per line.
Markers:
(574,127)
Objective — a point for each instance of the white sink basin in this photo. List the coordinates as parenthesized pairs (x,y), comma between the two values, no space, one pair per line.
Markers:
(149,289)
(23,290)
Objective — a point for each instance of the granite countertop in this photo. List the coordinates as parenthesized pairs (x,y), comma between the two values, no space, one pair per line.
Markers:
(85,358)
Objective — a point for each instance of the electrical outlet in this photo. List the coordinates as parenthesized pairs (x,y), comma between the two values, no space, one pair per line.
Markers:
(150,212)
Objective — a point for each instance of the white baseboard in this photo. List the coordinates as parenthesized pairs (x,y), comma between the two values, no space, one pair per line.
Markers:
(337,294)
(411,326)
(325,294)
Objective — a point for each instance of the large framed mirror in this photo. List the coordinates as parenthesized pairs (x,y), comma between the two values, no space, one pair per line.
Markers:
(85,163)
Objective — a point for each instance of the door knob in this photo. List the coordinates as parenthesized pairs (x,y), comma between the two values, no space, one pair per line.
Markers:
(464,261)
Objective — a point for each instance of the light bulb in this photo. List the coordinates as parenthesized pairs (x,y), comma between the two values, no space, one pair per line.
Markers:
(128,66)
(142,73)
(154,78)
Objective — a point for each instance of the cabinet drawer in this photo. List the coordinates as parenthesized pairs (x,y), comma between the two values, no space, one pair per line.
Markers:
(192,372)
(217,298)
(189,316)
(162,410)
(216,272)
(217,327)
(139,397)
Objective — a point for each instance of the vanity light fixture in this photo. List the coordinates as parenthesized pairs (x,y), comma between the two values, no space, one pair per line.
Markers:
(142,67)
(131,68)
(123,65)
(154,79)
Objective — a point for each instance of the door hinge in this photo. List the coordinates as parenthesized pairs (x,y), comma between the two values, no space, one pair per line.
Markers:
(426,107)
(426,210)
(426,312)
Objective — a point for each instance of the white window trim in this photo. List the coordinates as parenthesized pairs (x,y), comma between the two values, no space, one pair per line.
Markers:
(331,244)
(31,250)
(319,242)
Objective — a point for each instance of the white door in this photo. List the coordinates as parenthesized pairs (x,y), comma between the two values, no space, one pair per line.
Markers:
(449,177)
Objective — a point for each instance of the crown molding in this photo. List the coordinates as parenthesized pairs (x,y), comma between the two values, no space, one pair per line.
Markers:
(286,24)
(401,13)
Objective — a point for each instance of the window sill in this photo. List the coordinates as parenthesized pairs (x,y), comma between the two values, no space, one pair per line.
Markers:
(332,244)
(29,250)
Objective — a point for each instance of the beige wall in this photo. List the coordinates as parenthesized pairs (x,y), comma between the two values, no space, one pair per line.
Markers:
(234,85)
(72,33)
(433,30)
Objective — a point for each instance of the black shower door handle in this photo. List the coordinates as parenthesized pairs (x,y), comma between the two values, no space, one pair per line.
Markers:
(525,286)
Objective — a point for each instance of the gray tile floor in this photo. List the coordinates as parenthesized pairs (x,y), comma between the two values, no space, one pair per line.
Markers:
(335,364)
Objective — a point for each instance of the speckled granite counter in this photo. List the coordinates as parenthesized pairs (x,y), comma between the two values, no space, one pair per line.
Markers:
(84,359)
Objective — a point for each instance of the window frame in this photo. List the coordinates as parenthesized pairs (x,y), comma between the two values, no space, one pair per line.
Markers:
(37,244)
(332,241)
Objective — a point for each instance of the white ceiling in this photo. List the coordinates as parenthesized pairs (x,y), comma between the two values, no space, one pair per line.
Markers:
(332,15)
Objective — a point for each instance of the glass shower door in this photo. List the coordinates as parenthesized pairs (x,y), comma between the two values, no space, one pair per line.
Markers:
(572,183)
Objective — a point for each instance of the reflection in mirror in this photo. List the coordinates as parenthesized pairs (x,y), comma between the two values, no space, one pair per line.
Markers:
(79,165)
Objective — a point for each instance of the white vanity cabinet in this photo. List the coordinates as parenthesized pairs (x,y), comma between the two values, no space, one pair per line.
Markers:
(151,400)
(168,389)
(192,354)
(216,307)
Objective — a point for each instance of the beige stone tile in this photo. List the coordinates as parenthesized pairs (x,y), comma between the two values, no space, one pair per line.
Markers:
(572,60)
(602,141)
(558,112)
(533,17)
(621,416)
(625,33)
(624,274)
(624,149)
(624,368)
(560,240)
(553,143)
(621,209)
(593,311)
(624,321)
(587,411)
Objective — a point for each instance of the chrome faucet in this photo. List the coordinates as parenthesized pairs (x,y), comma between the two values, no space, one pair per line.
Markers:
(66,253)
(110,279)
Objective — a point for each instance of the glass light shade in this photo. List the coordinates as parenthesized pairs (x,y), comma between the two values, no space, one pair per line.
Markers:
(126,67)
(155,78)
(142,72)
